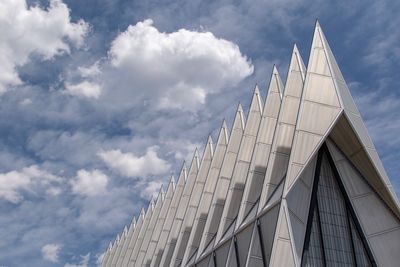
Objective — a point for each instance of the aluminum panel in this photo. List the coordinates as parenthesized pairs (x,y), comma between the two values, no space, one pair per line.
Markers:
(320,89)
(374,216)
(271,109)
(320,120)
(386,248)
(318,62)
(290,109)
(284,138)
(265,133)
(305,144)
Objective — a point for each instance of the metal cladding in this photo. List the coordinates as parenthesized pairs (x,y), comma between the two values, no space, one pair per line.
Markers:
(299,184)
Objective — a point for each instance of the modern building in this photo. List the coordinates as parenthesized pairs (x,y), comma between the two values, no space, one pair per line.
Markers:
(297,182)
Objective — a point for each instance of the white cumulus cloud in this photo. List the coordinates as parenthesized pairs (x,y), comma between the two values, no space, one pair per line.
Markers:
(85,89)
(26,30)
(13,182)
(131,165)
(89,183)
(50,252)
(170,70)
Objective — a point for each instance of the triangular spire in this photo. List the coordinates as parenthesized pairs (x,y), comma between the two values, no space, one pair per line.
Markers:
(125,231)
(142,212)
(297,63)
(151,204)
(275,84)
(183,173)
(117,240)
(208,150)
(239,121)
(195,164)
(296,66)
(160,196)
(171,183)
(223,137)
(133,222)
(256,102)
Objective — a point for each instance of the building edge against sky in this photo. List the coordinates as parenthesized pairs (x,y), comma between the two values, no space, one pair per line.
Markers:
(296,183)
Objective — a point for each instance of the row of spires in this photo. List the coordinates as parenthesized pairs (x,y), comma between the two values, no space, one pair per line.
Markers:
(260,131)
(239,121)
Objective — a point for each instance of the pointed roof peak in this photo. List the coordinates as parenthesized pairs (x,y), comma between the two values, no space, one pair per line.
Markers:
(275,83)
(209,139)
(275,70)
(223,125)
(223,136)
(161,192)
(239,108)
(317,24)
(195,159)
(151,204)
(133,221)
(183,172)
(295,48)
(208,150)
(296,64)
(239,120)
(142,212)
(171,180)
(125,230)
(256,90)
(256,102)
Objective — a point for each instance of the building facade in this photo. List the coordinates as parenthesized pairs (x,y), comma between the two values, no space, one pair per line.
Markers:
(297,182)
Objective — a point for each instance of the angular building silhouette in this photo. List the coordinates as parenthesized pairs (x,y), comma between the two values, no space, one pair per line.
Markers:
(296,183)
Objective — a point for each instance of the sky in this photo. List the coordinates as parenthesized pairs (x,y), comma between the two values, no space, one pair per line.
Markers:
(102,101)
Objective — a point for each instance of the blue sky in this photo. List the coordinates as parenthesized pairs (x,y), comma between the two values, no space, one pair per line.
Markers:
(101,101)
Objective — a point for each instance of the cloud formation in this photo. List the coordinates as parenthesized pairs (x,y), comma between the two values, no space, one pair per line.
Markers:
(89,183)
(131,165)
(13,182)
(32,30)
(167,70)
(85,89)
(50,252)
(83,263)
